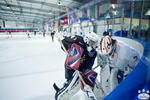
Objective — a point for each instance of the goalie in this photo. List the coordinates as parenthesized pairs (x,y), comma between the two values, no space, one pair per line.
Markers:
(81,56)
(117,59)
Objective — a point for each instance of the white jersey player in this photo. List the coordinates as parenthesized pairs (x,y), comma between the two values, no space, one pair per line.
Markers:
(116,59)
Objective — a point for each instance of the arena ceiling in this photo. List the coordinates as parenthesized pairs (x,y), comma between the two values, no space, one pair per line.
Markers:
(39,11)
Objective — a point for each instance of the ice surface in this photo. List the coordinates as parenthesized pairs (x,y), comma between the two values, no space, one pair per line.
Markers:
(29,67)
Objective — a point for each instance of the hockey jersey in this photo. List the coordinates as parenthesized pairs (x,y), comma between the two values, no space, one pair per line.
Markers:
(124,56)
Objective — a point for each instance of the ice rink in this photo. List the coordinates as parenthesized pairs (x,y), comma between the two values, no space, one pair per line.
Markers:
(29,67)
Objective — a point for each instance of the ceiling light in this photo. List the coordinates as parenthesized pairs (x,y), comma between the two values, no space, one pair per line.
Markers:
(113,6)
(58,3)
(7,6)
(148,12)
(50,13)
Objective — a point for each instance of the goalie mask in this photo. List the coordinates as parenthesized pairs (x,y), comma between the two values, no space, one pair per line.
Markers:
(106,45)
(91,39)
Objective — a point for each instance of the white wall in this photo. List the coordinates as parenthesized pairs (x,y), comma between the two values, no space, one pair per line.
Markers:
(13,24)
(116,27)
(101,29)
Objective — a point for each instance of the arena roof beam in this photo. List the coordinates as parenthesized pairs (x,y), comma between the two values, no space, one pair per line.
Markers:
(24,7)
(55,7)
(27,12)
(18,20)
(8,15)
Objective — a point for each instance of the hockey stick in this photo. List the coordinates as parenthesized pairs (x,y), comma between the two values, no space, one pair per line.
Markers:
(59,40)
(87,88)
(95,67)
(54,85)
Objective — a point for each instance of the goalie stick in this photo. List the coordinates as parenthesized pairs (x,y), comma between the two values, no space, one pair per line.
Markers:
(87,88)
(56,87)
(95,67)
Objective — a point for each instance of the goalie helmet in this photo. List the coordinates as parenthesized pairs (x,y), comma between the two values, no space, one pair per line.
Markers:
(106,45)
(90,36)
(93,37)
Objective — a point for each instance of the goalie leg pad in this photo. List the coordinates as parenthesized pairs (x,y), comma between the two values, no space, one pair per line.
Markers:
(98,91)
(69,89)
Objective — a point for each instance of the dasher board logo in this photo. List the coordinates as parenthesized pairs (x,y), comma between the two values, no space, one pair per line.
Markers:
(143,94)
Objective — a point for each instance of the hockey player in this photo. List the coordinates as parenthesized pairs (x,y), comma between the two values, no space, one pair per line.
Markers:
(9,35)
(88,55)
(52,35)
(117,59)
(28,34)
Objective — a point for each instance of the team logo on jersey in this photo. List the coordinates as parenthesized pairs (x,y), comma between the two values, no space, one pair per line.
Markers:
(143,94)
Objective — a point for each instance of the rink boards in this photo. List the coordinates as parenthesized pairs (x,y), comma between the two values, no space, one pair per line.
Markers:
(16,30)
